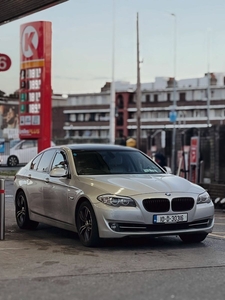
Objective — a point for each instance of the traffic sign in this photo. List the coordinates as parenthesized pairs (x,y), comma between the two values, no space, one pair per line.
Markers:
(5,62)
(173,116)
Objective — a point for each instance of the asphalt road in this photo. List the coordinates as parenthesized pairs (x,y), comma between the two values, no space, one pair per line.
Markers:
(50,263)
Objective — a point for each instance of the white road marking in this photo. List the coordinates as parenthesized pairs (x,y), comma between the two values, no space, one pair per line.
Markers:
(217,235)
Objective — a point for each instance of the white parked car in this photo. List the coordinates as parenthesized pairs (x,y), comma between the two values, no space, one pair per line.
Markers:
(109,191)
(21,152)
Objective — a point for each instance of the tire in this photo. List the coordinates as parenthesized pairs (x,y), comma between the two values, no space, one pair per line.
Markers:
(22,213)
(87,227)
(193,237)
(12,161)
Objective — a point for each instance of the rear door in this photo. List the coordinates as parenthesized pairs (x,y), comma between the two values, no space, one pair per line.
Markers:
(36,183)
(56,192)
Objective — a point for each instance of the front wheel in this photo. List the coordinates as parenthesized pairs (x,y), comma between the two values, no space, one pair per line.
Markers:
(87,226)
(12,161)
(193,237)
(22,214)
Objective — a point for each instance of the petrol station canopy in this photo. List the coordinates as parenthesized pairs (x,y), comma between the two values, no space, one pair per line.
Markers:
(14,9)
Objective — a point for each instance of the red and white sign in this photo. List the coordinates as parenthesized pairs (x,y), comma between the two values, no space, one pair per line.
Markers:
(35,113)
(29,41)
(5,62)
(194,150)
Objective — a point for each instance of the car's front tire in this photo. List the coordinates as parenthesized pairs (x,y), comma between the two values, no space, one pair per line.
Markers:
(12,161)
(22,213)
(193,237)
(87,226)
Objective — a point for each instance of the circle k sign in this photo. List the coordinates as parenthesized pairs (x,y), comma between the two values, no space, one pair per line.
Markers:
(29,41)
(5,62)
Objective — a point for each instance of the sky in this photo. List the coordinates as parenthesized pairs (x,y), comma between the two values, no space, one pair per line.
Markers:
(82,42)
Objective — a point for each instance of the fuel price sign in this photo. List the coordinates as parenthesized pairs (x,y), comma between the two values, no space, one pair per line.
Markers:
(35,83)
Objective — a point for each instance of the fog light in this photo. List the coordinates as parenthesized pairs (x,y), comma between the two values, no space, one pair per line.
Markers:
(114,226)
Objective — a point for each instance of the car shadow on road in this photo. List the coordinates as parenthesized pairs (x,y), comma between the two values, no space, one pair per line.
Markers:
(45,236)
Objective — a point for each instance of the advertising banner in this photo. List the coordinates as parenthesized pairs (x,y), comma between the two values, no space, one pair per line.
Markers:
(35,82)
(194,159)
(9,121)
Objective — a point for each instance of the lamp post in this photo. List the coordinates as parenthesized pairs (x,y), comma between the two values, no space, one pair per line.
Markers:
(138,91)
(112,92)
(174,99)
(208,79)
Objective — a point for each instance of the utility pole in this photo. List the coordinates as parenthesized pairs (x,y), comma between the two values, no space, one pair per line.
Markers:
(138,92)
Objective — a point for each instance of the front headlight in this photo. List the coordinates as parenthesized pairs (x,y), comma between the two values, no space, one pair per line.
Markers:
(203,198)
(116,201)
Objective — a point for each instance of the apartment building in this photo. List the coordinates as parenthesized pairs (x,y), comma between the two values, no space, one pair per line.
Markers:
(86,116)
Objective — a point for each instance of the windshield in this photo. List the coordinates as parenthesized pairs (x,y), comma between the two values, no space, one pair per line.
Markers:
(113,162)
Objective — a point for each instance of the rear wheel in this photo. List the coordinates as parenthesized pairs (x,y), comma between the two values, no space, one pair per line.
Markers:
(12,161)
(22,214)
(193,237)
(87,226)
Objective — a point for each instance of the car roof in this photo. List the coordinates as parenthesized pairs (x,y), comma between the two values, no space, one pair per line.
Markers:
(97,147)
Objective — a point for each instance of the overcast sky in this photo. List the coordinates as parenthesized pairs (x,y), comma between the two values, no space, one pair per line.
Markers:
(82,41)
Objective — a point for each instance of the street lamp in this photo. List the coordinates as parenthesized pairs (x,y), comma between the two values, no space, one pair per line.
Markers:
(112,92)
(174,99)
(208,79)
(138,91)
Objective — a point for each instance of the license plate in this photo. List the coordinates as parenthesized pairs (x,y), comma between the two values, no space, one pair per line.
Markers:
(177,218)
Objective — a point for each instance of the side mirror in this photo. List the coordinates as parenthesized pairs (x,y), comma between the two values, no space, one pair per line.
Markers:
(59,172)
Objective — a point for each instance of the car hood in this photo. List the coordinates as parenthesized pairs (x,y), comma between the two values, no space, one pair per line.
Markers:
(143,184)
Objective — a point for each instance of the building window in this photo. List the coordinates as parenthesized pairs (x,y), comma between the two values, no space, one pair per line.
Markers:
(147,98)
(80,117)
(72,118)
(80,132)
(120,101)
(168,96)
(219,113)
(130,115)
(131,98)
(71,133)
(155,97)
(162,114)
(154,114)
(182,96)
(91,117)
(200,113)
(131,132)
(119,120)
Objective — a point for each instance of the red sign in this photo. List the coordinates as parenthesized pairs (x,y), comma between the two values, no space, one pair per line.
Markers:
(5,62)
(35,83)
(194,150)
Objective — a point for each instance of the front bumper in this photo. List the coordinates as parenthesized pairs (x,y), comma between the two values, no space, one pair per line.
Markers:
(135,221)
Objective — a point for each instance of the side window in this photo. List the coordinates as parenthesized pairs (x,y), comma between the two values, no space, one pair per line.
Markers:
(35,162)
(28,144)
(59,161)
(45,161)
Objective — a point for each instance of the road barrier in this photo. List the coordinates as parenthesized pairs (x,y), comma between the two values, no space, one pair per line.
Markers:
(2,209)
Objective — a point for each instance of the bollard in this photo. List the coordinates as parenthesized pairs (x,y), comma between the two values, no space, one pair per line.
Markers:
(2,209)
